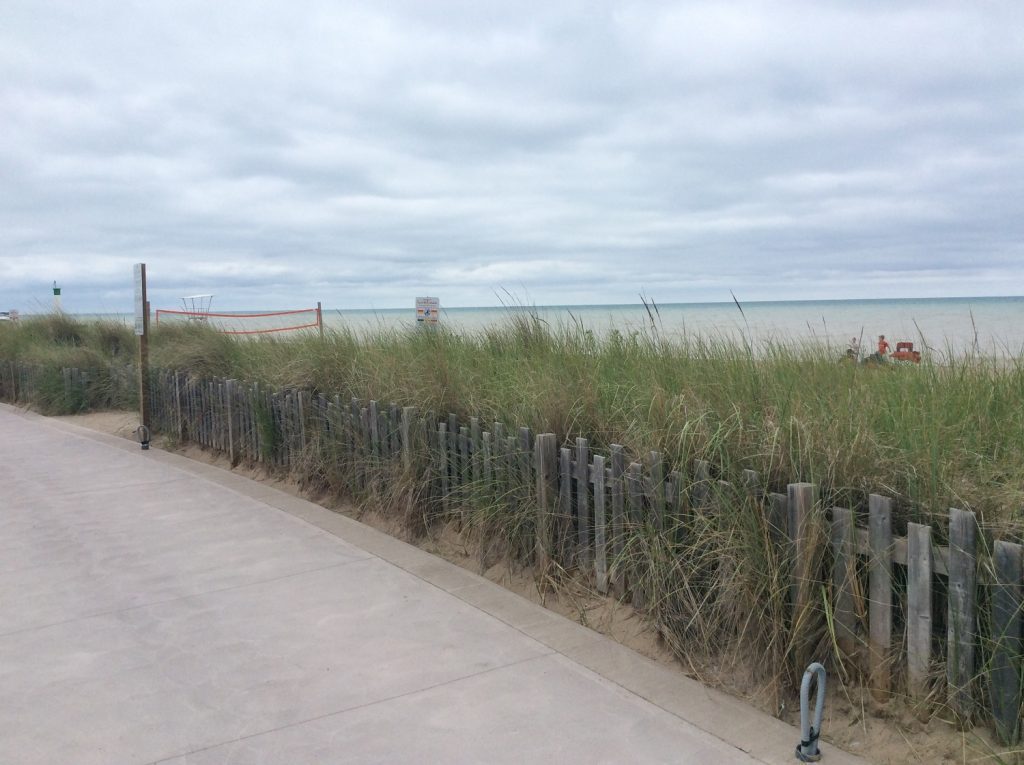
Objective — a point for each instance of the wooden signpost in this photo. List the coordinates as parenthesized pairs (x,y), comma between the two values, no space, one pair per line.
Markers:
(142,330)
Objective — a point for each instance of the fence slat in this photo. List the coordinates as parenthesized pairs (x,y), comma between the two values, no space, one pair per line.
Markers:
(582,503)
(960,622)
(803,533)
(546,464)
(879,595)
(677,507)
(600,526)
(406,435)
(498,460)
(375,432)
(566,527)
(394,430)
(229,398)
(700,492)
(485,461)
(919,607)
(1006,634)
(463,465)
(512,471)
(301,414)
(656,467)
(177,404)
(442,463)
(474,452)
(524,458)
(618,458)
(635,497)
(777,510)
(844,573)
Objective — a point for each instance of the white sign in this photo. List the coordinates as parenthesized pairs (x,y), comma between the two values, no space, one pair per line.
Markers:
(140,304)
(428,310)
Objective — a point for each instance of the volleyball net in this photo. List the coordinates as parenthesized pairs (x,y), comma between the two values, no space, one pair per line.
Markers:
(246,323)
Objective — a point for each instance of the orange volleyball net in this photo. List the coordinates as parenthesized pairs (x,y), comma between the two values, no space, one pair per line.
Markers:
(196,309)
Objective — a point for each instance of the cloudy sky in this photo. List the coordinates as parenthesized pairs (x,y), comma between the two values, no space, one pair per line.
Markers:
(280,153)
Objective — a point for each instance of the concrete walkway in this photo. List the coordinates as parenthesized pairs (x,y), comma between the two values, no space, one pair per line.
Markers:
(155,609)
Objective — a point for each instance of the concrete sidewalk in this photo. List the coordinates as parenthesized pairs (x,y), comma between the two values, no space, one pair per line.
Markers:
(155,609)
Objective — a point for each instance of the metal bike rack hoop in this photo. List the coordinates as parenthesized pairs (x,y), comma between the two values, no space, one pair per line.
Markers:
(142,432)
(807,749)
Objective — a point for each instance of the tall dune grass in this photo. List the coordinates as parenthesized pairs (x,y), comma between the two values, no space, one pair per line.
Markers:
(932,436)
(936,435)
(52,342)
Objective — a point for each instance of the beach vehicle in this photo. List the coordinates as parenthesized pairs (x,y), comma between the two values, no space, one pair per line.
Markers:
(905,352)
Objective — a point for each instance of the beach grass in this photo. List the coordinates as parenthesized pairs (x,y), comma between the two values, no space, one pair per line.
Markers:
(52,342)
(932,436)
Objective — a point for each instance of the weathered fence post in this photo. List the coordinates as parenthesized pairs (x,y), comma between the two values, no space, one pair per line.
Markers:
(879,595)
(485,461)
(700,492)
(657,493)
(302,413)
(618,458)
(919,607)
(229,395)
(960,621)
(512,473)
(676,509)
(566,531)
(408,417)
(474,453)
(844,576)
(582,504)
(375,448)
(1006,635)
(804,535)
(497,462)
(525,470)
(462,471)
(394,431)
(600,526)
(443,463)
(546,463)
(635,498)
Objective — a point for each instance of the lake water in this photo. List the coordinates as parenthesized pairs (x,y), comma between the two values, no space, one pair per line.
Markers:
(993,325)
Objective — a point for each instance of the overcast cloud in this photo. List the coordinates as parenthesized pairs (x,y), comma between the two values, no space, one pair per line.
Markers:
(361,154)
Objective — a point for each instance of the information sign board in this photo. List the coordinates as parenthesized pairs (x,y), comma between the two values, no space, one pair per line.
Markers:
(140,302)
(428,310)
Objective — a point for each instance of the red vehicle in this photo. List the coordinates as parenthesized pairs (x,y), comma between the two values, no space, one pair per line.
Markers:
(905,352)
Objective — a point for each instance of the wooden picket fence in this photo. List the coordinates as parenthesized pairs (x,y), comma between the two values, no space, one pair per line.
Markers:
(898,606)
(22,383)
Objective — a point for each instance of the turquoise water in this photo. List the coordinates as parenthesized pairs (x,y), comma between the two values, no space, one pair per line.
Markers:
(992,325)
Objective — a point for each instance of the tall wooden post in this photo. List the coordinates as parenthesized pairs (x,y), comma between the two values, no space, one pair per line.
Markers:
(320,319)
(880,594)
(142,330)
(546,461)
(805,539)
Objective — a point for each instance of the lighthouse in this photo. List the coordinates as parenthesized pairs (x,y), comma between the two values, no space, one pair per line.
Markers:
(56,298)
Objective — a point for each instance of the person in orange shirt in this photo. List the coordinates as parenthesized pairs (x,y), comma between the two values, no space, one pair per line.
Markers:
(883,346)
